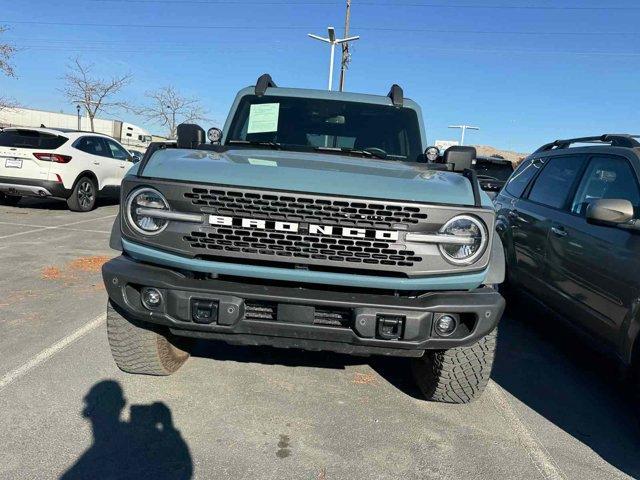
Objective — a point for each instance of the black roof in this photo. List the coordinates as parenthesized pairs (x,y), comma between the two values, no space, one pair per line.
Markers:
(612,139)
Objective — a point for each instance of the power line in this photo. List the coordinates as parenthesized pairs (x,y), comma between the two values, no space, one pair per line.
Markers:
(435,50)
(294,27)
(381,4)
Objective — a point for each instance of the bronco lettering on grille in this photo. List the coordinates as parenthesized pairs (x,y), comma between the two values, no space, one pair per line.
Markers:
(314,229)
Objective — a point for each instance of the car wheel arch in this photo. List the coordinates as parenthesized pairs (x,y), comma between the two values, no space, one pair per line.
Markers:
(89,174)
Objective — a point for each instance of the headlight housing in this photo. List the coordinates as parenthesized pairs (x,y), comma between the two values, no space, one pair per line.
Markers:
(146,199)
(473,235)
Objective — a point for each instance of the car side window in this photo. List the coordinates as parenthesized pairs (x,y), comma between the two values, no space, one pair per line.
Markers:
(92,145)
(553,185)
(521,177)
(606,176)
(117,151)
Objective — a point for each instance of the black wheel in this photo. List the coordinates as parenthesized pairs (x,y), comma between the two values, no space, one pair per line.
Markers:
(11,200)
(84,195)
(140,350)
(457,375)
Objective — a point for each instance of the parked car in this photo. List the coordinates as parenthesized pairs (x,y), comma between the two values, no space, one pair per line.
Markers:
(493,173)
(66,164)
(568,219)
(310,222)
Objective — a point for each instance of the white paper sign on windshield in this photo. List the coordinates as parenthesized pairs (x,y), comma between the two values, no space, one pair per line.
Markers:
(263,118)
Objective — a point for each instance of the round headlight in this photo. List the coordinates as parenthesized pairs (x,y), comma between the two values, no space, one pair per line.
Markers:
(473,240)
(432,153)
(215,135)
(141,206)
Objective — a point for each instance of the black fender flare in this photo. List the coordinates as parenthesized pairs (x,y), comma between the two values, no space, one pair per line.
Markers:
(115,239)
(497,265)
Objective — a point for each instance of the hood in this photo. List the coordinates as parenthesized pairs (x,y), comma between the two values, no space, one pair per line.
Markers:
(313,173)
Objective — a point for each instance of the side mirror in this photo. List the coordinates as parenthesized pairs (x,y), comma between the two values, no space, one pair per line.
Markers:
(190,135)
(460,158)
(609,211)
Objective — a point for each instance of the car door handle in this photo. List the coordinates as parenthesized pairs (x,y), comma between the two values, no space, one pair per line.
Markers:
(122,166)
(559,231)
(96,163)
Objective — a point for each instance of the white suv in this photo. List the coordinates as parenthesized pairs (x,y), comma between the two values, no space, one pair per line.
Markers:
(66,164)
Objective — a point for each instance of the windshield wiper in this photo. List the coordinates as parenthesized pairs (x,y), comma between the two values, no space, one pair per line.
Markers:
(274,145)
(377,153)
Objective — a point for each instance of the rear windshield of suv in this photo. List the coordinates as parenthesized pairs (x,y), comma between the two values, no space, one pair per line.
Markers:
(30,139)
(315,123)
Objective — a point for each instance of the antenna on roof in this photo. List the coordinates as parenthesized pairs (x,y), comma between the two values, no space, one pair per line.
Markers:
(42,125)
(396,95)
(265,81)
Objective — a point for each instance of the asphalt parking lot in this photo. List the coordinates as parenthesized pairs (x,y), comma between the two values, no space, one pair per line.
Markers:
(554,409)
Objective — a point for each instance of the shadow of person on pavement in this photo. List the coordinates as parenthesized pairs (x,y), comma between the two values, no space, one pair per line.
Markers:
(147,446)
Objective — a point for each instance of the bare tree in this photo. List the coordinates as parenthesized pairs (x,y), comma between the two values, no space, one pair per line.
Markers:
(93,94)
(6,53)
(169,108)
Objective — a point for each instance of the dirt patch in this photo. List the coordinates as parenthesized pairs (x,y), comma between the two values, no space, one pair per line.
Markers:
(50,273)
(364,379)
(73,273)
(88,264)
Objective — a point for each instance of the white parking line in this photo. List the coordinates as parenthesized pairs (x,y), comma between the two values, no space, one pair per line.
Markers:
(47,353)
(539,456)
(54,227)
(44,227)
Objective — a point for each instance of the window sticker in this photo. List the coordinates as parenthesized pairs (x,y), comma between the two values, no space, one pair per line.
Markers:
(263,118)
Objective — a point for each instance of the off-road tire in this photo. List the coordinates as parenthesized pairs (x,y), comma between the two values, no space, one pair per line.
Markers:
(10,200)
(457,375)
(84,195)
(140,350)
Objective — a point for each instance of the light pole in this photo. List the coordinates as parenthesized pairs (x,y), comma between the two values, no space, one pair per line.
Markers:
(332,41)
(79,118)
(463,129)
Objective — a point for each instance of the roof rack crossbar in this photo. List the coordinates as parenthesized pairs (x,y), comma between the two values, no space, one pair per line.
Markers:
(265,81)
(615,139)
(396,95)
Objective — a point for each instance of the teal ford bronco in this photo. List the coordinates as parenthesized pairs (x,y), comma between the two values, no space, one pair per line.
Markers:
(314,221)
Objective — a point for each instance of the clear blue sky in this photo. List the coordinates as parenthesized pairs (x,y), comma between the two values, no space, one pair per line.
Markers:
(524,75)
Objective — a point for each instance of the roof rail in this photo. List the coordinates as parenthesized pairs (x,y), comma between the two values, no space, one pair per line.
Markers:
(615,139)
(265,81)
(396,95)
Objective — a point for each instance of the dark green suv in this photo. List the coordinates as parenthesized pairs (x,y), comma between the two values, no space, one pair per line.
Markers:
(568,218)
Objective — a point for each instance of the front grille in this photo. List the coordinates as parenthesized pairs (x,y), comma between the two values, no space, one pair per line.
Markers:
(307,208)
(326,316)
(299,246)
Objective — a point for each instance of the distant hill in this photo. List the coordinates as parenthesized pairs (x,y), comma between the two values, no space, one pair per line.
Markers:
(487,151)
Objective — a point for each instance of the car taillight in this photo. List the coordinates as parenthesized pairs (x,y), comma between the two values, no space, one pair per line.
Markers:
(52,157)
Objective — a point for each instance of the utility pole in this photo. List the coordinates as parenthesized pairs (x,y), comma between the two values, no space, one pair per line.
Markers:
(332,41)
(345,47)
(463,129)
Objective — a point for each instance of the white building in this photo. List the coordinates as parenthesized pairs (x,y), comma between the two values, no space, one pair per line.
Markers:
(130,135)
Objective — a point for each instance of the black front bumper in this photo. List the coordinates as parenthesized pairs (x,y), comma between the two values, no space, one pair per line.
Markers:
(306,318)
(27,187)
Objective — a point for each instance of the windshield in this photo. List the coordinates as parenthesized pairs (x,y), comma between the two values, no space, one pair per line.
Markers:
(494,170)
(311,123)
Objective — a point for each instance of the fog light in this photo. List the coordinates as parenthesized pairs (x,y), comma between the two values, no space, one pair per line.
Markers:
(445,325)
(151,298)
